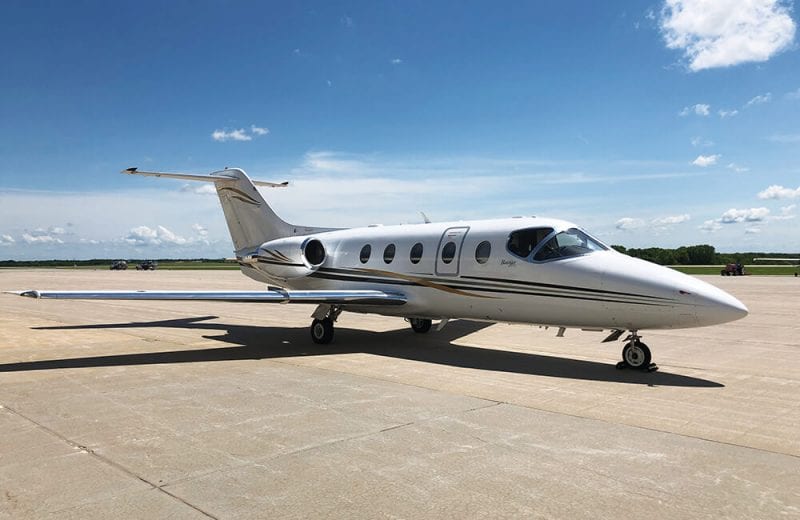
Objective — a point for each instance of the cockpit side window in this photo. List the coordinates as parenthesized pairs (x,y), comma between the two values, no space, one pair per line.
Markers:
(572,242)
(522,242)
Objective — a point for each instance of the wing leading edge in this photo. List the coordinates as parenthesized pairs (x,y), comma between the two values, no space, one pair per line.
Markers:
(364,297)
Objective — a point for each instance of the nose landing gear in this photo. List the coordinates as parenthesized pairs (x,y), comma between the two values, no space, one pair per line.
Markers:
(636,355)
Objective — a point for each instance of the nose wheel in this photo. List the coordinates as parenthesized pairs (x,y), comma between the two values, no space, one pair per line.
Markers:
(636,355)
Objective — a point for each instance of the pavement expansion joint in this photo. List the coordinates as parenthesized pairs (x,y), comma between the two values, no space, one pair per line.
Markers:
(103,459)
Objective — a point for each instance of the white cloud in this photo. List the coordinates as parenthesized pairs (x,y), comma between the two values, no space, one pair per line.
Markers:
(670,220)
(787,210)
(145,236)
(205,188)
(738,169)
(6,240)
(722,33)
(710,226)
(627,223)
(333,162)
(795,94)
(724,114)
(700,109)
(706,160)
(239,134)
(699,141)
(759,100)
(396,61)
(200,230)
(734,216)
(779,192)
(347,21)
(752,230)
(785,138)
(234,135)
(39,238)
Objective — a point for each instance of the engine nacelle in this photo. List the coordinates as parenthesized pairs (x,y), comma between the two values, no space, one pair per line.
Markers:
(291,257)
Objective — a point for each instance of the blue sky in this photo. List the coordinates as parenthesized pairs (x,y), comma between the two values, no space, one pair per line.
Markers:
(648,123)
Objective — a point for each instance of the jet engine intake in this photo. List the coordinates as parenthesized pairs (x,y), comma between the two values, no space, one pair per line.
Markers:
(291,257)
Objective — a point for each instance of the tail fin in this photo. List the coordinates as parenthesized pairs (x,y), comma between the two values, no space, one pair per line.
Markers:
(251,221)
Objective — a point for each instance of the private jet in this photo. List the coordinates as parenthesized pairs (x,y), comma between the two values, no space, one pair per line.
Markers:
(535,270)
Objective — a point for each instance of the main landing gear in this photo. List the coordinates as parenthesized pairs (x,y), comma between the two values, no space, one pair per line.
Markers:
(636,354)
(322,326)
(420,325)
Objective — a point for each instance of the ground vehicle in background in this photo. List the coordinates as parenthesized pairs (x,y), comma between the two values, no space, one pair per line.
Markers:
(119,265)
(736,269)
(147,265)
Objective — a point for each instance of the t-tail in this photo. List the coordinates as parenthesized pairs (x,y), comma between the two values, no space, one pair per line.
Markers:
(250,219)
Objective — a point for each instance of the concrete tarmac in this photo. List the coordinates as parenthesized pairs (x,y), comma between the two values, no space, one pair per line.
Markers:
(224,410)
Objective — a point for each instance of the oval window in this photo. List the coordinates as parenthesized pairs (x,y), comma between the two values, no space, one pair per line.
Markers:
(483,251)
(388,253)
(448,252)
(416,253)
(365,252)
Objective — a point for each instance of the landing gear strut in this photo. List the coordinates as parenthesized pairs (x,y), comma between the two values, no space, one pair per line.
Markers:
(636,355)
(322,326)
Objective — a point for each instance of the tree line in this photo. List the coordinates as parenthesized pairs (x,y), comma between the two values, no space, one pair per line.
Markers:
(702,254)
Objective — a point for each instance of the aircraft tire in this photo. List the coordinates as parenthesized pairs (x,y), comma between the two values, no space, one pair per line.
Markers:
(419,325)
(322,331)
(636,355)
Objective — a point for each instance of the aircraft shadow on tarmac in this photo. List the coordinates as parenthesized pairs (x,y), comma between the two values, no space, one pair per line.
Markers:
(254,342)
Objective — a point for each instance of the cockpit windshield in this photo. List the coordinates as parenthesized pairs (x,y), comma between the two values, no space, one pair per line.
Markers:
(523,241)
(572,242)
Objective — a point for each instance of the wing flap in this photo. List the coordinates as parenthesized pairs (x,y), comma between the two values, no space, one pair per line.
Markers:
(363,297)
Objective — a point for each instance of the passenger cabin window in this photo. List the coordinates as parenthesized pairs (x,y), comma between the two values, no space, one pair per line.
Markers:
(416,253)
(388,253)
(448,252)
(572,242)
(483,251)
(365,252)
(524,241)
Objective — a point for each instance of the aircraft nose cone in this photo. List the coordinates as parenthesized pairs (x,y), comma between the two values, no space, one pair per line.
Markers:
(716,306)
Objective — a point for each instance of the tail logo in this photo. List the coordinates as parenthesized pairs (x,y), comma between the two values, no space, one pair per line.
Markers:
(240,195)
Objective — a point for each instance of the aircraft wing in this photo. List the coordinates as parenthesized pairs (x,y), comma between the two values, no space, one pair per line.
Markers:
(360,297)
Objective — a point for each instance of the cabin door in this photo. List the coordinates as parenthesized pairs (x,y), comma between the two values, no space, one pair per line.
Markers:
(448,255)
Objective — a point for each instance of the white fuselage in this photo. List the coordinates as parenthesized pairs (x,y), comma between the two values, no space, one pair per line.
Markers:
(598,288)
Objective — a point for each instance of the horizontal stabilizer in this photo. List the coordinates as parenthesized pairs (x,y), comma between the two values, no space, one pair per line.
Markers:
(364,297)
(212,177)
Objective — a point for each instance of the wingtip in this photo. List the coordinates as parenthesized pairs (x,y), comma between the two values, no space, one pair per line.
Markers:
(130,170)
(27,294)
